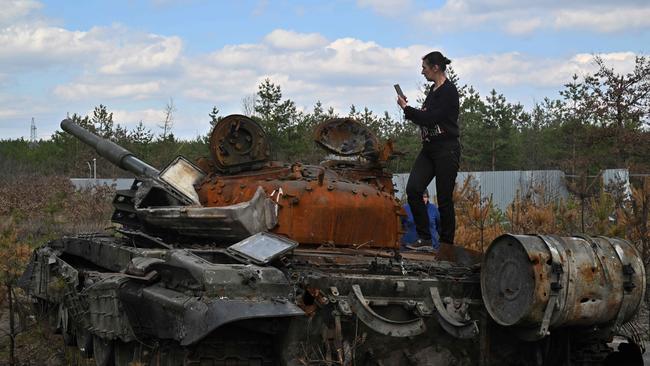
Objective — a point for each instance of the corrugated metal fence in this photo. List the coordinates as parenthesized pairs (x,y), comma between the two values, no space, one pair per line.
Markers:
(502,186)
(118,183)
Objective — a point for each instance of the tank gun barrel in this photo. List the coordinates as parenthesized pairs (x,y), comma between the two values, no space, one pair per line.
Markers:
(109,150)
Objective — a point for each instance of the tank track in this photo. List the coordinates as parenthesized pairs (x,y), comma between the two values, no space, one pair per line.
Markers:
(237,350)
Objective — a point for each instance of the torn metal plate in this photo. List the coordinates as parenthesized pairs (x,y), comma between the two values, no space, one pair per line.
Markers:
(261,248)
(183,175)
(346,137)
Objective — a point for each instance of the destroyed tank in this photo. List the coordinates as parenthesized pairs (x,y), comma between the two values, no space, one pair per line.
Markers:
(239,260)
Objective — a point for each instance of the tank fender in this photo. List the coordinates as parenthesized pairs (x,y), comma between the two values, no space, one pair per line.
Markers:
(47,268)
(25,280)
(164,313)
(201,318)
(141,266)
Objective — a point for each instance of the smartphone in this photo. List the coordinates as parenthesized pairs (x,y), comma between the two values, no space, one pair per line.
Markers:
(399,91)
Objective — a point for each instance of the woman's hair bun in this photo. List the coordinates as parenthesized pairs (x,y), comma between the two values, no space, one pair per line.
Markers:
(437,58)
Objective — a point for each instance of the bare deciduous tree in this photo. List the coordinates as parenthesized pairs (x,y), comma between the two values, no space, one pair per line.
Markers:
(248,105)
(168,121)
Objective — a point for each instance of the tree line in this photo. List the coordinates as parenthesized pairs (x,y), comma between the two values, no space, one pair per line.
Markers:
(599,121)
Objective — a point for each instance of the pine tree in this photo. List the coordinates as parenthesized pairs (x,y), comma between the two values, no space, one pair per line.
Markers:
(141,134)
(103,121)
(214,116)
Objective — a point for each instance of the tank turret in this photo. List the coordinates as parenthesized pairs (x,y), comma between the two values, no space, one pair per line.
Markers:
(242,192)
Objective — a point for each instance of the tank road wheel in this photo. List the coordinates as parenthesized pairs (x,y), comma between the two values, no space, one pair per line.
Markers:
(48,313)
(103,351)
(233,345)
(168,354)
(124,353)
(69,337)
(67,328)
(84,343)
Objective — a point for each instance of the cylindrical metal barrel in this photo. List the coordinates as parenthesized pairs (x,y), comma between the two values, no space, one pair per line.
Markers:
(109,150)
(586,280)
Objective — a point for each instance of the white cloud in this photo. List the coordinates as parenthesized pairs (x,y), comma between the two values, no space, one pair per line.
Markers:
(218,78)
(386,7)
(523,26)
(523,17)
(239,55)
(26,46)
(9,113)
(455,15)
(345,63)
(99,90)
(150,118)
(111,50)
(260,7)
(622,62)
(16,112)
(342,72)
(604,19)
(291,40)
(156,53)
(516,70)
(16,9)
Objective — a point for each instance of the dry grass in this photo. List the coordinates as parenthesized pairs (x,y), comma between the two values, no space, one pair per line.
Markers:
(43,207)
(33,210)
(610,212)
(478,222)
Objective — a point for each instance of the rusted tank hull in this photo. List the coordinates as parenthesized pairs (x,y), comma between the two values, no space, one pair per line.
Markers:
(320,306)
(186,302)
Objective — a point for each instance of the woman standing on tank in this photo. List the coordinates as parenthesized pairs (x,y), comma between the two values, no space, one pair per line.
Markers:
(440,153)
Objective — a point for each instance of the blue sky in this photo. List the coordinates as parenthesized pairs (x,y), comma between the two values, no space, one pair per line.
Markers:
(59,57)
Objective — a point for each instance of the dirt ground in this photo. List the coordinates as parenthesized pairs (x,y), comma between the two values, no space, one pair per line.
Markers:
(36,345)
